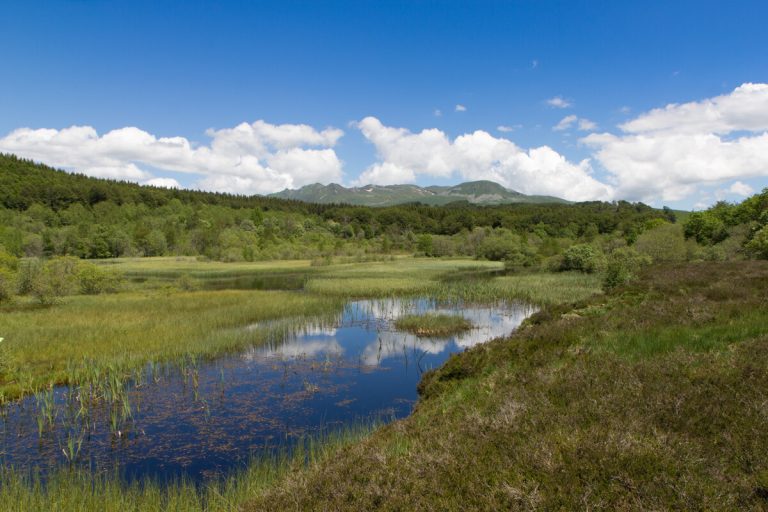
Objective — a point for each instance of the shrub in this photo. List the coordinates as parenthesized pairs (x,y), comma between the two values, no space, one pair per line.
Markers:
(58,278)
(583,257)
(663,243)
(622,265)
(29,270)
(7,285)
(94,280)
(758,246)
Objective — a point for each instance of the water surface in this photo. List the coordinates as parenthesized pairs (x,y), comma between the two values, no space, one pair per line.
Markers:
(207,418)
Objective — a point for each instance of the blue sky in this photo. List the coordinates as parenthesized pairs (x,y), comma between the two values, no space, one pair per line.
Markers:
(381,73)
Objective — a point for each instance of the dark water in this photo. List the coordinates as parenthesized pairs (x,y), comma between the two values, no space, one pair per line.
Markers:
(211,417)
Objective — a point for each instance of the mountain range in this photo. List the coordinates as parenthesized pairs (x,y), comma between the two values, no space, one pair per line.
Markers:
(477,192)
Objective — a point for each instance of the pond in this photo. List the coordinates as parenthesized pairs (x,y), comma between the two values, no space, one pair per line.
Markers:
(204,419)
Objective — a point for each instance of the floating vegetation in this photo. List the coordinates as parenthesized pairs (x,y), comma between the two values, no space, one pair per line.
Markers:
(433,325)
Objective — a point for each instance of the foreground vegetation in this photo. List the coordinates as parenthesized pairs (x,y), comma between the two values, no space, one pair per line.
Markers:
(652,397)
(433,325)
(649,397)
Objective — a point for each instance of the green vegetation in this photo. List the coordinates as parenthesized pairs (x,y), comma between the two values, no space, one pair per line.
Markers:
(577,410)
(45,213)
(640,383)
(433,325)
(69,489)
(65,343)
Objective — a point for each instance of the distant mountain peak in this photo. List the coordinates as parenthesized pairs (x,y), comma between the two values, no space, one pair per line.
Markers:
(482,192)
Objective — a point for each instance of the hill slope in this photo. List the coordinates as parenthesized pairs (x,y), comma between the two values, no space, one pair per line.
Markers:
(476,192)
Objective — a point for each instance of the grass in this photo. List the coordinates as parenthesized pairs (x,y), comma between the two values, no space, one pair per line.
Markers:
(651,397)
(126,330)
(81,490)
(106,337)
(433,325)
(87,337)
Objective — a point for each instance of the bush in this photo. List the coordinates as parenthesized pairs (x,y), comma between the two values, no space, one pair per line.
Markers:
(663,243)
(29,272)
(7,285)
(7,260)
(622,265)
(58,278)
(583,257)
(94,280)
(758,246)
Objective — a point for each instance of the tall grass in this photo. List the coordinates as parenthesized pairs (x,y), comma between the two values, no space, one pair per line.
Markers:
(83,490)
(57,344)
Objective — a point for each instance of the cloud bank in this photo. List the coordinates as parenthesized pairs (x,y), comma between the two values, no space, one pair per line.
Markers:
(404,156)
(670,153)
(686,151)
(246,159)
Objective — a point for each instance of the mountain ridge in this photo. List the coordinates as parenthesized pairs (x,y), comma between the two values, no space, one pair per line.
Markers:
(481,192)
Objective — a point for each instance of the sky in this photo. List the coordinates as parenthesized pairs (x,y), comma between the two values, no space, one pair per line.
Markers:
(660,102)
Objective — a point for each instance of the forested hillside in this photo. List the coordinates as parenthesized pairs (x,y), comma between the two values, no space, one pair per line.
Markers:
(46,212)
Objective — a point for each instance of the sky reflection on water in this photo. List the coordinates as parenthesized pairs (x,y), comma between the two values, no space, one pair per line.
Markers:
(321,377)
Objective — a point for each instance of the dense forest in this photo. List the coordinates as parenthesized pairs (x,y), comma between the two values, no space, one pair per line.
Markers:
(48,212)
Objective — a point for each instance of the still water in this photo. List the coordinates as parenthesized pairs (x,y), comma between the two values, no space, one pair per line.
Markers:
(210,417)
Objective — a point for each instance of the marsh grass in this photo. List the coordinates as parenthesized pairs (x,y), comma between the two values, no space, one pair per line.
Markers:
(649,397)
(83,490)
(433,324)
(88,335)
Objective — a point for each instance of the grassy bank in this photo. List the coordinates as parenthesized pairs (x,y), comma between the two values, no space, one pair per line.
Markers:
(582,408)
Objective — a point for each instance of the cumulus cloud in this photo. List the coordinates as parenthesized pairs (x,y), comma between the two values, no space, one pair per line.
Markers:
(163,182)
(558,102)
(405,155)
(741,189)
(460,108)
(583,124)
(670,152)
(249,158)
(565,123)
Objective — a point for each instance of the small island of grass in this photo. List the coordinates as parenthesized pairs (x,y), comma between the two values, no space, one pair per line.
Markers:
(433,325)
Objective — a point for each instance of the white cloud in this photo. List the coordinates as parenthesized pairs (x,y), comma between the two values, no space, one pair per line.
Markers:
(565,123)
(671,152)
(246,159)
(405,155)
(460,108)
(163,182)
(438,112)
(741,189)
(584,125)
(506,128)
(558,102)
